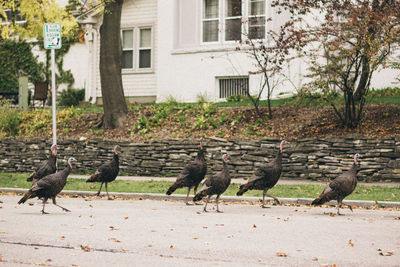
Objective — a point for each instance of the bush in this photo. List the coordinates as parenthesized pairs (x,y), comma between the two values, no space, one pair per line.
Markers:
(236,98)
(387,91)
(9,119)
(71,97)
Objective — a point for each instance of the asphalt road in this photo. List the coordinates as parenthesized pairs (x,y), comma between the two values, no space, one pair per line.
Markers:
(130,232)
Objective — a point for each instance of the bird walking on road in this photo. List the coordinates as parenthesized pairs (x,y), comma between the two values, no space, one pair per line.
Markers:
(46,167)
(215,185)
(107,172)
(192,174)
(340,187)
(49,186)
(265,177)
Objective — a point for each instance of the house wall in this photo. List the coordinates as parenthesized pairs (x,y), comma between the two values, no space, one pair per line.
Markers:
(187,68)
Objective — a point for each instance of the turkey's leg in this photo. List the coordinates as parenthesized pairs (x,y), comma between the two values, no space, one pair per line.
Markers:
(44,204)
(205,206)
(276,200)
(55,203)
(98,193)
(187,197)
(263,200)
(338,207)
(195,191)
(217,203)
(108,197)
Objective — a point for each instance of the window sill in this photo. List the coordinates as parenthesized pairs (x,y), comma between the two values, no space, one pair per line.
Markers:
(206,48)
(131,71)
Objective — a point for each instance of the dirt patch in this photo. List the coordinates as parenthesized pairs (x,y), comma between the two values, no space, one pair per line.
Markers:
(288,122)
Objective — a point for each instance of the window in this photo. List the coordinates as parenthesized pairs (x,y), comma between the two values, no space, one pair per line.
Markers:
(12,16)
(256,19)
(222,20)
(233,86)
(210,20)
(233,20)
(137,49)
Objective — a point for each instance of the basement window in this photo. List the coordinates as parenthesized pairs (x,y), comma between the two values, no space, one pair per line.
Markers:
(233,86)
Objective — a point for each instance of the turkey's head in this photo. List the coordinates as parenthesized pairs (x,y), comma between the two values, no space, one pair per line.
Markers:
(283,143)
(356,157)
(54,150)
(117,148)
(70,160)
(225,157)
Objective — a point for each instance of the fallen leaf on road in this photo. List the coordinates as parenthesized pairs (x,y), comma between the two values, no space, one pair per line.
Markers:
(62,237)
(114,240)
(172,246)
(3,232)
(126,218)
(219,224)
(205,227)
(153,231)
(195,237)
(85,248)
(91,205)
(281,254)
(397,218)
(149,245)
(112,228)
(31,204)
(351,243)
(332,214)
(254,226)
(314,259)
(1,257)
(385,253)
(259,260)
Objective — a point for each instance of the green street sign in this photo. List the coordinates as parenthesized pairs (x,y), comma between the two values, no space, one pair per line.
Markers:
(52,35)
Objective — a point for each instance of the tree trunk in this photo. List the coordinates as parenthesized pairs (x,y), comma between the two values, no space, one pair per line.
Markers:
(114,105)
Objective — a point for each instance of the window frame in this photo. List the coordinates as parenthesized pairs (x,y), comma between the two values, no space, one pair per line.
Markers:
(136,48)
(245,27)
(17,14)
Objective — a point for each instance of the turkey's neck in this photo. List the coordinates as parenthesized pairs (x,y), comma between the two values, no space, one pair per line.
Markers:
(116,158)
(354,168)
(200,154)
(66,172)
(52,157)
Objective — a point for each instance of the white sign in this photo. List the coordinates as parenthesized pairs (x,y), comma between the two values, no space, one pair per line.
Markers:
(52,35)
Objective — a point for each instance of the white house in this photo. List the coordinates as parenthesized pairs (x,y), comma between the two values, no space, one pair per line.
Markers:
(184,49)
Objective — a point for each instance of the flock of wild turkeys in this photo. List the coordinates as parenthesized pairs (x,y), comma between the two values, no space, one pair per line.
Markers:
(47,183)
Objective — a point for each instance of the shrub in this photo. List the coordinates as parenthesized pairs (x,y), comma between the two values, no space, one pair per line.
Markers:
(71,97)
(9,119)
(236,98)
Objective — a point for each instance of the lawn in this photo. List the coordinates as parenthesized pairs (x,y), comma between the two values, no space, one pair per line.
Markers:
(362,192)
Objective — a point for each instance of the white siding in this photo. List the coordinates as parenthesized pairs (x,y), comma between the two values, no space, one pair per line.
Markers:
(137,13)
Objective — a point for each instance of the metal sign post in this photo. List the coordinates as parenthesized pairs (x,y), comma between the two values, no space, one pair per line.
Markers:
(52,40)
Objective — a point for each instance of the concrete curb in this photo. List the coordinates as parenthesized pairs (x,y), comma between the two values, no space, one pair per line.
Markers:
(152,196)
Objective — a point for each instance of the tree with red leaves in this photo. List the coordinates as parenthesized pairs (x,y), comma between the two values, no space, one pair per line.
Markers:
(347,41)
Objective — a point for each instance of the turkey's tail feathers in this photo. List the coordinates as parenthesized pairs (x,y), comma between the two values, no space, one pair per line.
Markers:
(25,197)
(93,178)
(176,185)
(243,188)
(200,195)
(320,200)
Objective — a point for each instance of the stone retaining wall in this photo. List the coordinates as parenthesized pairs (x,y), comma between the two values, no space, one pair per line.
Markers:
(322,158)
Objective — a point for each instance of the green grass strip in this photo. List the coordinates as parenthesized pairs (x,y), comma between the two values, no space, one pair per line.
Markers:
(362,192)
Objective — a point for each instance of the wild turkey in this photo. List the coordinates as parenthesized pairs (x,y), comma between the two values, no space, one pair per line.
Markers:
(49,186)
(107,172)
(192,174)
(265,177)
(340,187)
(45,167)
(215,185)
